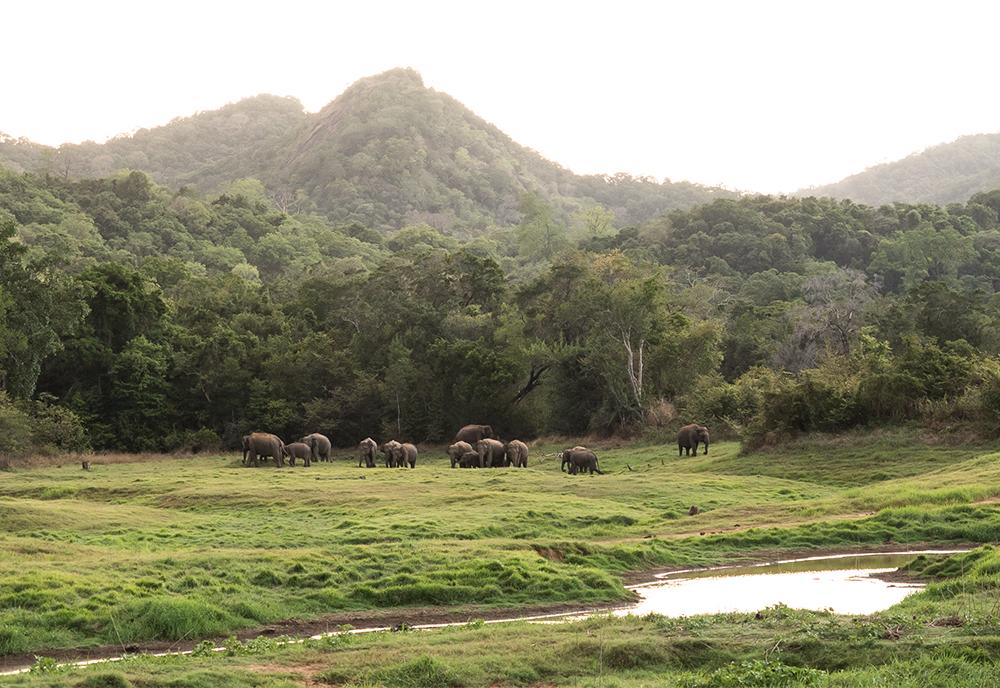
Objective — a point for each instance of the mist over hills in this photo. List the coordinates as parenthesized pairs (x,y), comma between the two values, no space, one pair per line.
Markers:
(386,153)
(947,173)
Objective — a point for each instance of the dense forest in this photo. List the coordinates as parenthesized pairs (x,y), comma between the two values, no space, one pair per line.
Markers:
(143,317)
(948,173)
(386,153)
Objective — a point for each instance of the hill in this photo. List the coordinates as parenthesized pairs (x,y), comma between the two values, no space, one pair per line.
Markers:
(387,152)
(948,173)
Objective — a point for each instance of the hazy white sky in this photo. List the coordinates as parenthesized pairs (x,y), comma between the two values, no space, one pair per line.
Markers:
(767,96)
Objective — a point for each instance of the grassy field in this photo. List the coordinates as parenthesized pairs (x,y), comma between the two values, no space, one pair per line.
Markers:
(182,549)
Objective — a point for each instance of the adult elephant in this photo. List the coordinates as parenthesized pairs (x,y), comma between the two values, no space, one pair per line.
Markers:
(264,444)
(404,455)
(367,450)
(580,459)
(474,433)
(492,453)
(298,450)
(689,437)
(319,446)
(457,450)
(389,450)
(517,454)
(246,448)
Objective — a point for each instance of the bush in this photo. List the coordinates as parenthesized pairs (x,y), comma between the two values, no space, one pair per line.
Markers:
(193,441)
(422,672)
(104,680)
(15,428)
(758,673)
(738,403)
(56,427)
(169,618)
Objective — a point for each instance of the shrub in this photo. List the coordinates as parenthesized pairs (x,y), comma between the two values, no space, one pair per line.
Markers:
(633,655)
(169,618)
(422,672)
(55,427)
(758,673)
(193,441)
(104,680)
(15,428)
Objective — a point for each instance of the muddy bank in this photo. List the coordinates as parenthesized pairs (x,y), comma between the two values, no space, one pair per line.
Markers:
(370,620)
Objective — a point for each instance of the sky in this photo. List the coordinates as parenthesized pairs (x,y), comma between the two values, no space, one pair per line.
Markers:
(759,96)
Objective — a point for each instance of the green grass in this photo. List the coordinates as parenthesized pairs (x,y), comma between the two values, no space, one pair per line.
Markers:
(180,550)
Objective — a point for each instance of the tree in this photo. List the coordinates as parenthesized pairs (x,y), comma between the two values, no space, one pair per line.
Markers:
(539,235)
(38,306)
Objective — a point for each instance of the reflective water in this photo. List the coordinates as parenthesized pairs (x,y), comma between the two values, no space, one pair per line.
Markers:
(842,584)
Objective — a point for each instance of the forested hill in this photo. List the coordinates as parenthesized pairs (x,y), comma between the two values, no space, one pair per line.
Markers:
(386,153)
(949,173)
(136,316)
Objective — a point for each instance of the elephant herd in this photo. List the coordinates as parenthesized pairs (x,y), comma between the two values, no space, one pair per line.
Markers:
(258,445)
(475,446)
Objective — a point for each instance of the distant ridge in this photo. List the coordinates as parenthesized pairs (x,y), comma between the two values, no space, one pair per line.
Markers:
(947,173)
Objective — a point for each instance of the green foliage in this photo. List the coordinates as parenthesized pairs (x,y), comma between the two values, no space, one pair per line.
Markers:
(15,427)
(105,680)
(420,672)
(758,673)
(170,618)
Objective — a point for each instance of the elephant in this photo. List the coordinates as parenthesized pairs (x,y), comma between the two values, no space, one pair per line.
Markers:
(689,437)
(492,453)
(457,450)
(469,459)
(404,454)
(298,450)
(474,433)
(581,459)
(367,449)
(246,448)
(517,454)
(264,444)
(319,446)
(564,456)
(390,455)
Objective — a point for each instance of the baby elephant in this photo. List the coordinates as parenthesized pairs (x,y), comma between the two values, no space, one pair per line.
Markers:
(469,459)
(298,450)
(517,454)
(457,451)
(580,459)
(404,454)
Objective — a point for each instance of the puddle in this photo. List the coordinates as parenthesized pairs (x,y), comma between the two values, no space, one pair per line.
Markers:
(844,584)
(841,584)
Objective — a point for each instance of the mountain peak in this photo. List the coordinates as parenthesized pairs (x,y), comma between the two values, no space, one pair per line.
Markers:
(387,152)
